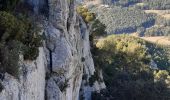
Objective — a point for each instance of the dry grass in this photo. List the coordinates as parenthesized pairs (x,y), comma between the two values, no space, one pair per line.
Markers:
(167,16)
(96,2)
(163,13)
(158,39)
(140,4)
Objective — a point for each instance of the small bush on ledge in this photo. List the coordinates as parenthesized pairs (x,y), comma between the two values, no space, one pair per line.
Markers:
(86,15)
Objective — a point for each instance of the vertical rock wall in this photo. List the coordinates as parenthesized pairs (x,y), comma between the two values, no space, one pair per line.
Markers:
(64,59)
(68,46)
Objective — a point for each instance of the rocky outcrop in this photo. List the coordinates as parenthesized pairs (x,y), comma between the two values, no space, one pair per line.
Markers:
(31,83)
(63,61)
(68,44)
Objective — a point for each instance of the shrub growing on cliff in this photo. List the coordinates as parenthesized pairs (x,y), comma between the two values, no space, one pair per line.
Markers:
(10,27)
(86,15)
(18,36)
(98,28)
(22,30)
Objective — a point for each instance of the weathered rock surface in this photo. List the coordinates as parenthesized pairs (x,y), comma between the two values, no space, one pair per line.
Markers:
(64,59)
(31,83)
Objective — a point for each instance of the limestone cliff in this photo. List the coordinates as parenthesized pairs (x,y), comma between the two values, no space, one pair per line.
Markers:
(64,59)
(31,83)
(69,47)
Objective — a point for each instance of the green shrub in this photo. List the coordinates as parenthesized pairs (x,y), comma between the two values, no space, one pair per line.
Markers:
(86,15)
(10,27)
(125,61)
(9,57)
(31,53)
(18,35)
(20,29)
(98,28)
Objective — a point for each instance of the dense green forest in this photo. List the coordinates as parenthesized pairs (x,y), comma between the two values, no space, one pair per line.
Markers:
(133,69)
(127,69)
(120,18)
(123,20)
(161,28)
(156,4)
(147,4)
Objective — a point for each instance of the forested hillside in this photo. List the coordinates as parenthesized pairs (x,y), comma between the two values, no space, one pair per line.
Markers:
(145,4)
(123,20)
(134,67)
(129,71)
(145,18)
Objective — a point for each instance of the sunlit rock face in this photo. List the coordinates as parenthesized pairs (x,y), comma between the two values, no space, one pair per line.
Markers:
(63,60)
(68,42)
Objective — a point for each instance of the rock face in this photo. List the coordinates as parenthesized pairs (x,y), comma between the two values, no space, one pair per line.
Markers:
(69,47)
(63,61)
(31,83)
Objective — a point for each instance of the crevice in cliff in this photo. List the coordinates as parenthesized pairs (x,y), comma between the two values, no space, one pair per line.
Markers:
(51,62)
(71,14)
(45,9)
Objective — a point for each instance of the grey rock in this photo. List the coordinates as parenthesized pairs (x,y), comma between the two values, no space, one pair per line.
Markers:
(67,42)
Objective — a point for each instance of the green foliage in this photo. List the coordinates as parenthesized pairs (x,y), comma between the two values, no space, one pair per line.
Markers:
(157,4)
(10,57)
(11,27)
(161,27)
(18,36)
(20,29)
(157,31)
(86,15)
(161,74)
(31,53)
(123,20)
(130,51)
(148,4)
(125,3)
(160,54)
(125,61)
(98,28)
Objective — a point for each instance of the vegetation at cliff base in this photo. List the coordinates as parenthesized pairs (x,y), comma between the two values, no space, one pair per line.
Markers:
(127,69)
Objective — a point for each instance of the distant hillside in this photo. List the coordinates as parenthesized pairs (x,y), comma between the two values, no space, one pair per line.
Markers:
(144,4)
(123,20)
